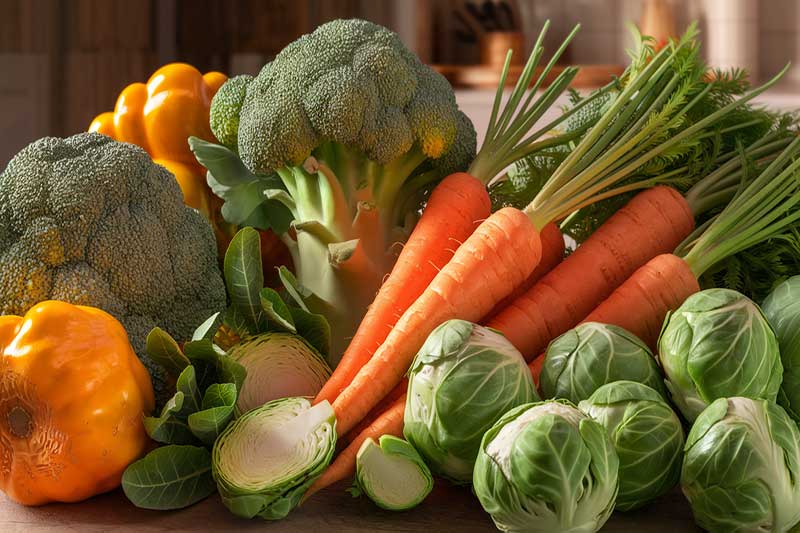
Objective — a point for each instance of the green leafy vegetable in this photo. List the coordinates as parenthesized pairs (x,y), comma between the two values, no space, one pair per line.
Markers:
(266,459)
(718,344)
(647,435)
(547,467)
(278,365)
(218,407)
(171,477)
(591,355)
(741,471)
(782,309)
(461,382)
(392,474)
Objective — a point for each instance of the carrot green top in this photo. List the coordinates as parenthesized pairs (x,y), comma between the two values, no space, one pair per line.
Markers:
(765,209)
(647,121)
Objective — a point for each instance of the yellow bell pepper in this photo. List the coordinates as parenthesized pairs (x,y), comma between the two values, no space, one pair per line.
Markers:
(72,398)
(160,116)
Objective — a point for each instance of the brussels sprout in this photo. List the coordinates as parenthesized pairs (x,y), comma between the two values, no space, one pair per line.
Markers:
(265,460)
(392,474)
(782,309)
(279,365)
(741,469)
(461,382)
(647,436)
(547,467)
(590,355)
(718,344)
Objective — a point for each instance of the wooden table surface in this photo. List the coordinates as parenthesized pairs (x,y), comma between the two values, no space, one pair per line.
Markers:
(446,509)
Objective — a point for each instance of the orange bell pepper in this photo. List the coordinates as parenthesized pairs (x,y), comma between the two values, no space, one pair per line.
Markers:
(72,397)
(160,116)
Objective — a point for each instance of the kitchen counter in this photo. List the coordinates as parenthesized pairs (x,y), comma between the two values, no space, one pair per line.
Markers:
(446,509)
(477,103)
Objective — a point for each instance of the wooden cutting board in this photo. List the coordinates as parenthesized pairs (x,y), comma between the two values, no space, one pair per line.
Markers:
(446,509)
(483,76)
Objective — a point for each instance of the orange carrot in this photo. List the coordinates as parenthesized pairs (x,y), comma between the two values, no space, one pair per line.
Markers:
(454,210)
(765,209)
(389,423)
(377,411)
(641,303)
(457,205)
(493,261)
(552,254)
(653,222)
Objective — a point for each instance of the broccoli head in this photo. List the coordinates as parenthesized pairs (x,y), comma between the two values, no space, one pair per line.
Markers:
(341,136)
(92,221)
(350,82)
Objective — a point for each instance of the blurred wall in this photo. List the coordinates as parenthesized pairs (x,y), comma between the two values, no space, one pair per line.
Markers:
(65,61)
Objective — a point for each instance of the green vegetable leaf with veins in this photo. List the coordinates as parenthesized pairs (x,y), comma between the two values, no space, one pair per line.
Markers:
(171,477)
(163,350)
(217,410)
(168,428)
(245,278)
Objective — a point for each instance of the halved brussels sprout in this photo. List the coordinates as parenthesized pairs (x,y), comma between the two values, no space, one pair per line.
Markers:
(265,460)
(547,467)
(461,382)
(741,470)
(647,435)
(590,355)
(782,309)
(279,365)
(392,474)
(718,344)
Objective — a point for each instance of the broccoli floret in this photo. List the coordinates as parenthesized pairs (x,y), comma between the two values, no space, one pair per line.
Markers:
(350,82)
(92,221)
(358,129)
(224,116)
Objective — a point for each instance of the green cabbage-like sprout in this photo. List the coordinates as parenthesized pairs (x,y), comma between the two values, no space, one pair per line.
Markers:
(782,309)
(265,460)
(741,469)
(591,355)
(547,467)
(392,474)
(279,365)
(647,435)
(464,378)
(718,344)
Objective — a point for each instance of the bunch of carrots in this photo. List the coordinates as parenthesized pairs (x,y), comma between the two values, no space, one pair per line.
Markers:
(505,269)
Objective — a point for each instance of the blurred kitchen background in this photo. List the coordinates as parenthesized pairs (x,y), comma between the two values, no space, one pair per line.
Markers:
(65,61)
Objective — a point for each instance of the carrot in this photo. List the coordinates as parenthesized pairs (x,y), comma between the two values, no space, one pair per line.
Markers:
(494,260)
(653,222)
(641,303)
(552,254)
(454,210)
(389,423)
(767,207)
(506,248)
(376,412)
(456,206)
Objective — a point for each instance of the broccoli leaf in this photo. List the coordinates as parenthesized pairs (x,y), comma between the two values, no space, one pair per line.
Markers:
(242,191)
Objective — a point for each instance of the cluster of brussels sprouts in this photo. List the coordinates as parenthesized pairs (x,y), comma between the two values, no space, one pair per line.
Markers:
(606,437)
(611,433)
